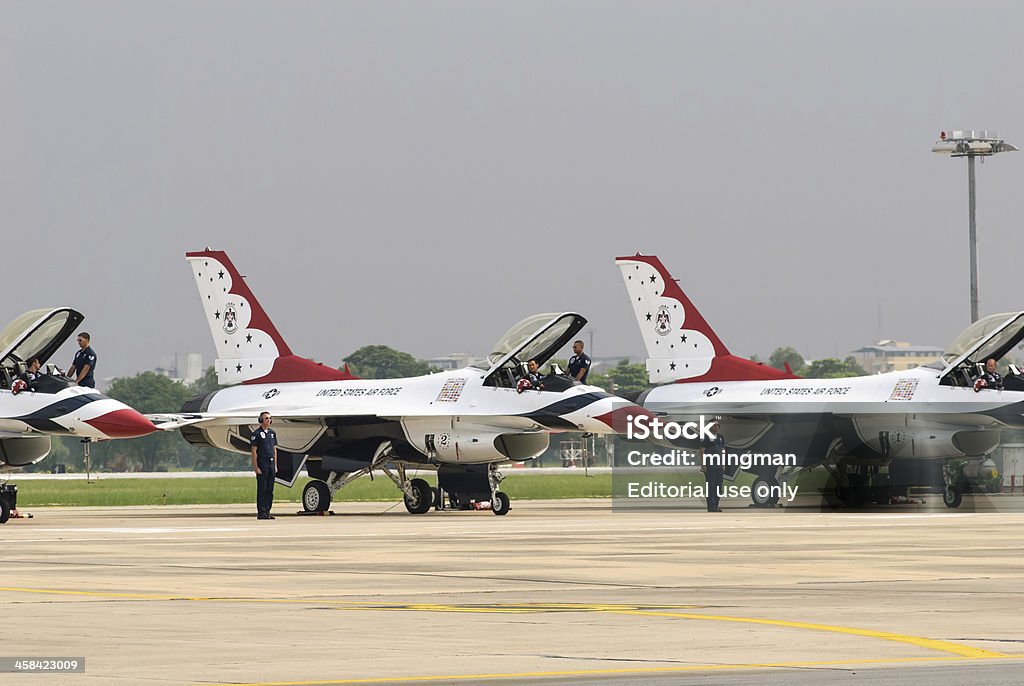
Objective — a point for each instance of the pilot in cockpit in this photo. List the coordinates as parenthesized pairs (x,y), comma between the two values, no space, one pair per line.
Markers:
(989,378)
(534,376)
(26,381)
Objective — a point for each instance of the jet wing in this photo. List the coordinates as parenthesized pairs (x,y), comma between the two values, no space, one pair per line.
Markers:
(174,421)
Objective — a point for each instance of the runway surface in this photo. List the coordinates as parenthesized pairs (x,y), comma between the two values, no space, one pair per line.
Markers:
(557,592)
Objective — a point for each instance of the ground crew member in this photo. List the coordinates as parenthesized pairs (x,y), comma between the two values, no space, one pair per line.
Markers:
(713,468)
(264,464)
(84,364)
(579,363)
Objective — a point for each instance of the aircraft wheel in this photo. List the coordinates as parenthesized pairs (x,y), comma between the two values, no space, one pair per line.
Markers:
(855,493)
(762,493)
(5,511)
(501,504)
(952,497)
(316,497)
(422,497)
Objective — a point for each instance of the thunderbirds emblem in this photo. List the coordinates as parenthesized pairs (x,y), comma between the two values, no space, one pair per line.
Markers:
(230,319)
(663,322)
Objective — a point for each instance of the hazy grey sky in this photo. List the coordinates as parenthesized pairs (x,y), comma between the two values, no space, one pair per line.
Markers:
(423,174)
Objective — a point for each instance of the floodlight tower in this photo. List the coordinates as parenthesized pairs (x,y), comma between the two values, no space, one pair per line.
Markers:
(971,144)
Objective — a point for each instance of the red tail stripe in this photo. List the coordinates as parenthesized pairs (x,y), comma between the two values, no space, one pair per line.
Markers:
(732,368)
(258,319)
(694,319)
(293,368)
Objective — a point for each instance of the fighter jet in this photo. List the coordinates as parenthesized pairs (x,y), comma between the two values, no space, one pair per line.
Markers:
(51,404)
(463,423)
(852,426)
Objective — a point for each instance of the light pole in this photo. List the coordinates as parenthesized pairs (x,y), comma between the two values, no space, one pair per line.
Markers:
(971,144)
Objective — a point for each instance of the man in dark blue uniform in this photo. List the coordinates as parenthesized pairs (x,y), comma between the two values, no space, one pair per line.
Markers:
(990,378)
(579,363)
(534,376)
(264,463)
(713,468)
(31,375)
(84,364)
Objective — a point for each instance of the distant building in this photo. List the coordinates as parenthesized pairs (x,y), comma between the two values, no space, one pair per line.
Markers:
(186,368)
(453,361)
(895,356)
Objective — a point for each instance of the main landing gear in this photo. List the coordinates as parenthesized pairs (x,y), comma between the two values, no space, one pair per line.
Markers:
(460,487)
(471,487)
(953,486)
(417,493)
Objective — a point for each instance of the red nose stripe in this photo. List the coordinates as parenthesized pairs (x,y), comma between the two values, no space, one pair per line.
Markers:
(618,418)
(126,423)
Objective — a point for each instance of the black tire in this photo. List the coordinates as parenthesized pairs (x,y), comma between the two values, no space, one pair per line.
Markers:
(952,497)
(316,497)
(5,511)
(501,504)
(766,498)
(422,498)
(856,492)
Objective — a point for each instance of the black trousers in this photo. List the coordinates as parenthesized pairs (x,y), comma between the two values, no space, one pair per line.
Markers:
(715,476)
(265,489)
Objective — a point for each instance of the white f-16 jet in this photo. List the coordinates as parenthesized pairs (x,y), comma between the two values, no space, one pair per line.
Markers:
(463,422)
(49,403)
(852,426)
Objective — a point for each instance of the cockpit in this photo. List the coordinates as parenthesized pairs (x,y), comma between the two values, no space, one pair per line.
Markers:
(37,334)
(992,337)
(538,337)
(48,380)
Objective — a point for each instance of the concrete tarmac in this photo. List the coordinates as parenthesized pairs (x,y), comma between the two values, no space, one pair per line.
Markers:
(557,592)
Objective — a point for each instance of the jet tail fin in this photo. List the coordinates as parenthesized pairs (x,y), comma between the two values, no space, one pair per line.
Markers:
(250,349)
(681,345)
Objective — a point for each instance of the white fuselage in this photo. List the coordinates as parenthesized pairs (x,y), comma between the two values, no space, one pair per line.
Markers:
(450,416)
(898,414)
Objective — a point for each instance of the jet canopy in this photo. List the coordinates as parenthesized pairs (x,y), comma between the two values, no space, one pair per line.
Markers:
(992,336)
(538,337)
(38,333)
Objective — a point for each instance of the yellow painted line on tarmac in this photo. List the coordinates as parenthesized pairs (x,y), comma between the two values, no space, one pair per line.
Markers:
(920,641)
(517,608)
(964,651)
(93,594)
(155,596)
(596,672)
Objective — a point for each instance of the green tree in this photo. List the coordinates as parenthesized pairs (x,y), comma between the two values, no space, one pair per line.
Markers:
(781,356)
(207,383)
(833,368)
(623,379)
(148,393)
(382,362)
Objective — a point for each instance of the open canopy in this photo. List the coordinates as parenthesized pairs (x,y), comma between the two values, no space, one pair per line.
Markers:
(38,333)
(537,337)
(992,336)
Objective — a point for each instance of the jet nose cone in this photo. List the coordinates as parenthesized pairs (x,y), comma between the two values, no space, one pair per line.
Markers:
(621,414)
(124,423)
